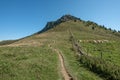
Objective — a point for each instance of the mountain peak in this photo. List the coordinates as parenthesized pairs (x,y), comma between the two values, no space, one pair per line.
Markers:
(68,17)
(64,18)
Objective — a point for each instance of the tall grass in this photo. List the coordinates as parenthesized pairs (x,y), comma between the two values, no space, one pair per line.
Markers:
(28,63)
(107,70)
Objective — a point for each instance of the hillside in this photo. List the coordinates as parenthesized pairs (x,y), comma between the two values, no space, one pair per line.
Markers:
(81,44)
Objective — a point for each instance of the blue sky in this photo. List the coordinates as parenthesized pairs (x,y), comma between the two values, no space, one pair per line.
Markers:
(20,18)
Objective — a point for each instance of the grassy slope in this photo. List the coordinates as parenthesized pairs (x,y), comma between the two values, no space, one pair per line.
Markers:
(110,50)
(61,37)
(28,63)
(82,32)
(39,62)
(6,42)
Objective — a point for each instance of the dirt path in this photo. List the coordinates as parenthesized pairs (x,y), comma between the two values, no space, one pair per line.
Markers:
(64,71)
